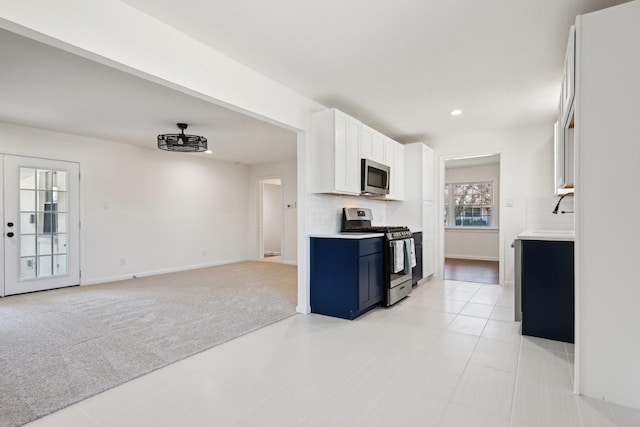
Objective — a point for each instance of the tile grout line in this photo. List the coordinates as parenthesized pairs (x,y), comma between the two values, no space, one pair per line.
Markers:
(449,401)
(515,384)
(466,365)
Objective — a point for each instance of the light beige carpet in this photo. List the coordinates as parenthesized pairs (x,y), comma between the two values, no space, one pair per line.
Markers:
(61,346)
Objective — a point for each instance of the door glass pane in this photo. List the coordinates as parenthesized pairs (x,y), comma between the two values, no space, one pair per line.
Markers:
(60,180)
(27,200)
(28,268)
(44,244)
(44,266)
(60,223)
(43,222)
(27,245)
(44,199)
(59,265)
(28,178)
(50,222)
(52,180)
(43,207)
(44,179)
(59,200)
(27,223)
(60,244)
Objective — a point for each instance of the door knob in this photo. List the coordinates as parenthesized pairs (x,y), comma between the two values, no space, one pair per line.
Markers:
(10,234)
(9,224)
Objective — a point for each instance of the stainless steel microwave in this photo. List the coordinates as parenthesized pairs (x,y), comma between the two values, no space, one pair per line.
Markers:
(375,178)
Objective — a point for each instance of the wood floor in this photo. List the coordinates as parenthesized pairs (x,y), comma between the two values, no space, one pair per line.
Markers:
(467,270)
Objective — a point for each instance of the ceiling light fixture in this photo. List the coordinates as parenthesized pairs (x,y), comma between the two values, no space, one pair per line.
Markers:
(182,142)
(456,112)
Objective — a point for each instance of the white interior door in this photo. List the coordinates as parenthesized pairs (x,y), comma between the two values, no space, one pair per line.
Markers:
(41,226)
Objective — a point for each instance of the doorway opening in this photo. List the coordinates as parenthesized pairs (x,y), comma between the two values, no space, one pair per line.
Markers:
(472,219)
(271,220)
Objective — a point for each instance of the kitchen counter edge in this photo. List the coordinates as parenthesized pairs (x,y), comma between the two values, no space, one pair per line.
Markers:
(346,235)
(547,235)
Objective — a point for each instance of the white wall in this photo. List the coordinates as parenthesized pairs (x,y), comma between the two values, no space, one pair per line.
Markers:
(526,173)
(472,244)
(287,172)
(157,210)
(475,244)
(607,236)
(80,27)
(272,216)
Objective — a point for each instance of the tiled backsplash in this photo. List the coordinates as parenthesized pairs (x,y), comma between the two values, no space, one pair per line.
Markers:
(540,216)
(325,211)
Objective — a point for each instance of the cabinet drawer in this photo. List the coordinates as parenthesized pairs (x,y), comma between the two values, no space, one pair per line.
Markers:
(398,292)
(370,246)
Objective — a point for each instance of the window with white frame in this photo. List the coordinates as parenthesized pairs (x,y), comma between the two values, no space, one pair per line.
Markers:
(468,204)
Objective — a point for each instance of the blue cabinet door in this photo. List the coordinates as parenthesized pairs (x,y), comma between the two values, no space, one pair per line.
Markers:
(548,290)
(347,276)
(369,280)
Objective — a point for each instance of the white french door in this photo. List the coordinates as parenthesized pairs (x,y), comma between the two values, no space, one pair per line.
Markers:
(41,224)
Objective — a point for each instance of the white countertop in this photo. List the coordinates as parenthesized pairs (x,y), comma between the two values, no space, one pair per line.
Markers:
(347,235)
(555,235)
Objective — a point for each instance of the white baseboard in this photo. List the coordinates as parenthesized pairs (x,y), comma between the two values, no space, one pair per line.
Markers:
(303,310)
(472,257)
(156,272)
(289,262)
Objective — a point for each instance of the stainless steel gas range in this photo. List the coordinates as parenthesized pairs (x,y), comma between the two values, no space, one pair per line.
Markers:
(398,254)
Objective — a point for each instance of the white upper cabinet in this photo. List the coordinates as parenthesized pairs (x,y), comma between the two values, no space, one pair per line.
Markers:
(418,187)
(397,173)
(394,158)
(558,163)
(339,142)
(336,153)
(366,142)
(371,144)
(563,132)
(568,79)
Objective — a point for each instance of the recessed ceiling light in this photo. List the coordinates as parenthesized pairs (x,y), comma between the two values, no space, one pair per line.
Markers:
(456,112)
(208,152)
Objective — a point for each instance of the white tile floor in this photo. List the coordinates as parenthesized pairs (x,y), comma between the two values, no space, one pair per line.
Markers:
(449,355)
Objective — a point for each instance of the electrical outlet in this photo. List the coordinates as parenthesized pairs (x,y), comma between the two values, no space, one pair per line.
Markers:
(204,252)
(123,261)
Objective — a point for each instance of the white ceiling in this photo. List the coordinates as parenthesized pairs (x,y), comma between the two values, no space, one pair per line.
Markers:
(44,87)
(399,67)
(463,162)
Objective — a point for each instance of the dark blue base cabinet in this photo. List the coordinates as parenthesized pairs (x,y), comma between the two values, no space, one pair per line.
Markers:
(346,276)
(548,289)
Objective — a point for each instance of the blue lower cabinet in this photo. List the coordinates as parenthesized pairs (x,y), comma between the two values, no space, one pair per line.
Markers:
(346,276)
(548,289)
